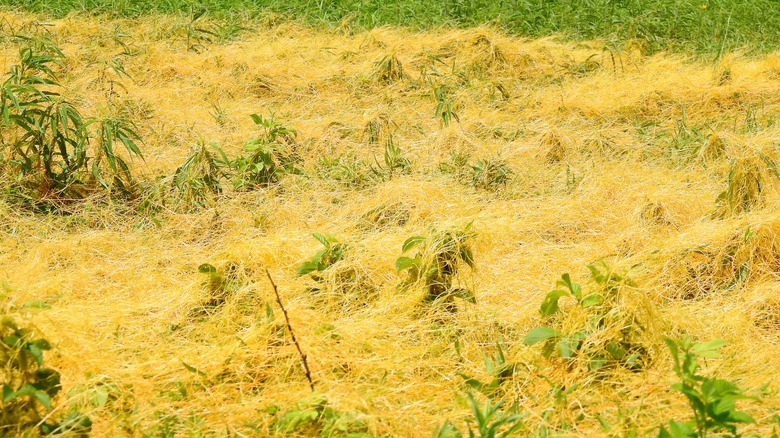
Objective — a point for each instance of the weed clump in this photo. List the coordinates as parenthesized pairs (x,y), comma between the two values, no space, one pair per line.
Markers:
(53,153)
(713,149)
(315,417)
(337,281)
(606,325)
(555,146)
(29,387)
(724,263)
(436,265)
(389,70)
(747,182)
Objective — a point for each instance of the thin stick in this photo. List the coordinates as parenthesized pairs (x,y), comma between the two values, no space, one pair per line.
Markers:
(292,333)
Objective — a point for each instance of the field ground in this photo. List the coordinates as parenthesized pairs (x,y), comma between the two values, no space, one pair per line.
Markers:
(560,154)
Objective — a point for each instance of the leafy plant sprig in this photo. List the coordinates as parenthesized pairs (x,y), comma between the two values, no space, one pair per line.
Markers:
(712,400)
(436,263)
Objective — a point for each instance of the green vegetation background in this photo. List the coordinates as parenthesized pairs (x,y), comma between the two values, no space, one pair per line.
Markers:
(691,26)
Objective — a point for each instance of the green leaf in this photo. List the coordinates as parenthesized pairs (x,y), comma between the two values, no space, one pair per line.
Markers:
(192,369)
(47,380)
(43,399)
(412,242)
(8,393)
(447,430)
(36,353)
(679,429)
(207,269)
(323,239)
(574,288)
(568,346)
(591,300)
(306,268)
(709,349)
(539,334)
(550,303)
(406,263)
(36,304)
(474,383)
(467,256)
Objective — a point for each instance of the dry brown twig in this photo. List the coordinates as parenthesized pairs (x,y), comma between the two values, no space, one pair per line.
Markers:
(292,333)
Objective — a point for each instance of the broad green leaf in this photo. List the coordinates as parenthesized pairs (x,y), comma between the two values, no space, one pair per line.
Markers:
(36,353)
(8,393)
(43,399)
(679,429)
(550,303)
(591,300)
(568,346)
(207,269)
(306,268)
(406,263)
(539,334)
(709,349)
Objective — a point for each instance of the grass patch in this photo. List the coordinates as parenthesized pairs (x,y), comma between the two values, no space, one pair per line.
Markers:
(704,26)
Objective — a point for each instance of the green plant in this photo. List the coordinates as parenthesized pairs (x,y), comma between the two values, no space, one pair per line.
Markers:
(712,400)
(29,387)
(219,286)
(456,165)
(199,179)
(196,36)
(389,70)
(499,369)
(271,155)
(746,184)
(58,152)
(490,174)
(602,332)
(394,162)
(435,266)
(346,169)
(314,417)
(491,422)
(444,107)
(333,252)
(687,140)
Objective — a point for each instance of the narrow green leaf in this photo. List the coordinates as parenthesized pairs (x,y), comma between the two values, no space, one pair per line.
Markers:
(412,242)
(323,239)
(192,369)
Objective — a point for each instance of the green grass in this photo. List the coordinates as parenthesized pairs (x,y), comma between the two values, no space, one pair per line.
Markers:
(692,26)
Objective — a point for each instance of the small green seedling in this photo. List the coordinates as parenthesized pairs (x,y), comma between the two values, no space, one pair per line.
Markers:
(499,369)
(333,252)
